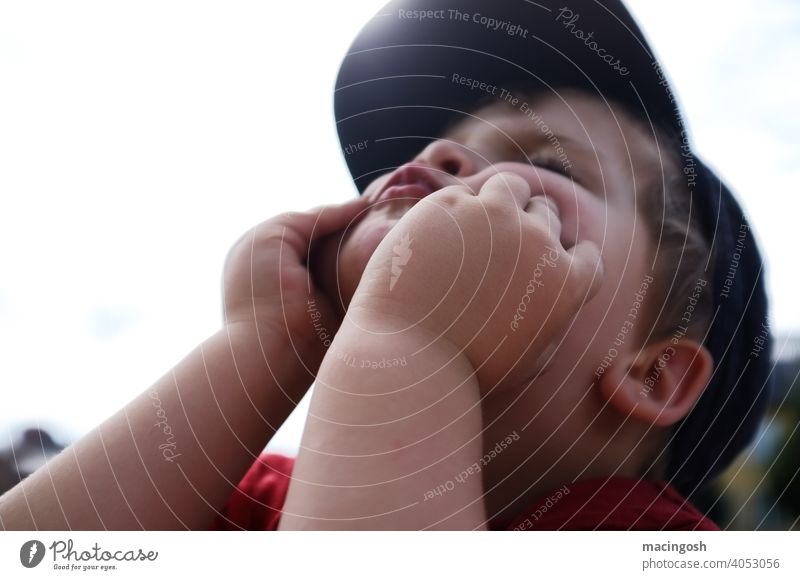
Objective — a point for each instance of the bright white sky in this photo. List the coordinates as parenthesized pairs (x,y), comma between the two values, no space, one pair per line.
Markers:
(139,140)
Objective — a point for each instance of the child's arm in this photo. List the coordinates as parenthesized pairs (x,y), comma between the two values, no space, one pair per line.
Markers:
(383,447)
(389,447)
(171,457)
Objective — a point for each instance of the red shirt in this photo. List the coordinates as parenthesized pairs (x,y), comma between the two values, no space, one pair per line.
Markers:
(617,503)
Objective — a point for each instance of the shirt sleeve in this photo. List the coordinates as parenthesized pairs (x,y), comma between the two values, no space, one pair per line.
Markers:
(257,501)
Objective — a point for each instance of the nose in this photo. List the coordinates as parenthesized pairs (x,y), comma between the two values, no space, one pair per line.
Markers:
(450,157)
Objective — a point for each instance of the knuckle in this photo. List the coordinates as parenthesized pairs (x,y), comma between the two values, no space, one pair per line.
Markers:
(507,181)
(255,240)
(502,204)
(239,247)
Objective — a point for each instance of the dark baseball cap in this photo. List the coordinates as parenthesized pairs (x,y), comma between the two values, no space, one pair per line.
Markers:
(420,65)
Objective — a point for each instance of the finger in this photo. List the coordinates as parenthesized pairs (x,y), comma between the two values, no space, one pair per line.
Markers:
(323,220)
(546,209)
(587,268)
(506,185)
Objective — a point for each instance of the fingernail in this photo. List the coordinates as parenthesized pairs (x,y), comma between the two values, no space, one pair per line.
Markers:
(553,205)
(549,201)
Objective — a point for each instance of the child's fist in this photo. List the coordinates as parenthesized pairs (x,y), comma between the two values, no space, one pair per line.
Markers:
(266,279)
(485,271)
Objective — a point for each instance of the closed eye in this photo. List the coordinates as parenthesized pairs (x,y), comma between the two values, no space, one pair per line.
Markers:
(554,165)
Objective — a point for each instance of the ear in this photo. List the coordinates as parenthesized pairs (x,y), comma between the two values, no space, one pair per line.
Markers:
(660,384)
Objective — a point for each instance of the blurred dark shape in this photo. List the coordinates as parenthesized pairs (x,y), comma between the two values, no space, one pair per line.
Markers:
(761,490)
(27,453)
(785,474)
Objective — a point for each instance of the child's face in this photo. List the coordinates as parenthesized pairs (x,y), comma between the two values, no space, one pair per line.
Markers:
(603,153)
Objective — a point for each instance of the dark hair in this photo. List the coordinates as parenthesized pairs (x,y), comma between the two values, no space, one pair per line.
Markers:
(683,261)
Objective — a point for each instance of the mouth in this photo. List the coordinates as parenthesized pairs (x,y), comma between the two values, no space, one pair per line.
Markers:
(410,181)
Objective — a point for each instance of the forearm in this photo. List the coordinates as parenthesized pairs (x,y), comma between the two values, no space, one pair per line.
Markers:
(169,458)
(380,443)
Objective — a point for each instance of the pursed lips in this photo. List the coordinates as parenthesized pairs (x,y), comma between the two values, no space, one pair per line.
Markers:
(410,181)
(415,181)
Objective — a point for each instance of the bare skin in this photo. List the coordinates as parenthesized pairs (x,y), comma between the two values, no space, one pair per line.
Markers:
(571,425)
(377,441)
(171,457)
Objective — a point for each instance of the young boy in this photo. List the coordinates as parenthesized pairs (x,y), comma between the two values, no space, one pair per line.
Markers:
(536,323)
(502,250)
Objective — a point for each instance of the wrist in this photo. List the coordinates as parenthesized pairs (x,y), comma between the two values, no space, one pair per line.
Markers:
(378,334)
(281,362)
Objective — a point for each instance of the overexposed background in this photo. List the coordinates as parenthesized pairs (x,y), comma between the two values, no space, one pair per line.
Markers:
(139,140)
